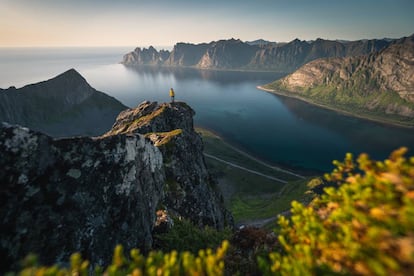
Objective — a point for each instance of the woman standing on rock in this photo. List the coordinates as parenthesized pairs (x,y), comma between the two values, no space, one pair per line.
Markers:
(172,95)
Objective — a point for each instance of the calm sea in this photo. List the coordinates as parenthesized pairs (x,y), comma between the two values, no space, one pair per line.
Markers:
(279,130)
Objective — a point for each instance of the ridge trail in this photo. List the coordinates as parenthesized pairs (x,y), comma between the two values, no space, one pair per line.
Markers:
(245,169)
(265,164)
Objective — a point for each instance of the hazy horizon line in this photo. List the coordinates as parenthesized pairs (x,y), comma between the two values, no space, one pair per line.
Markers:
(163,47)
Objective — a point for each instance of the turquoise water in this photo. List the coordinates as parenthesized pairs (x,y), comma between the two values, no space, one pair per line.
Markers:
(276,129)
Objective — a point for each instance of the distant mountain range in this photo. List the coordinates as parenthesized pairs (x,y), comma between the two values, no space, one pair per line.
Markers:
(378,86)
(234,54)
(62,106)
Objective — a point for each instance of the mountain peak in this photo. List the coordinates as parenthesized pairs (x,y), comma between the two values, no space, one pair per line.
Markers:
(71,74)
(170,127)
(71,71)
(75,106)
(154,117)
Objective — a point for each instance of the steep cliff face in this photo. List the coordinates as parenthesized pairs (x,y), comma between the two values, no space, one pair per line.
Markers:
(395,67)
(381,82)
(290,56)
(258,55)
(190,190)
(281,58)
(80,194)
(186,54)
(227,54)
(145,56)
(59,106)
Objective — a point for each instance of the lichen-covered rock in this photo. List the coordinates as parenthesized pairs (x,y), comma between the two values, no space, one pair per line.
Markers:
(77,194)
(89,194)
(191,192)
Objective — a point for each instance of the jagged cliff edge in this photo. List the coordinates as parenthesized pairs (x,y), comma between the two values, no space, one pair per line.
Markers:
(89,194)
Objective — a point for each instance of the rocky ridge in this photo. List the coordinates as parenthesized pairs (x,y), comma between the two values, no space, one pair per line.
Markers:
(78,194)
(59,106)
(382,81)
(235,54)
(191,192)
(59,196)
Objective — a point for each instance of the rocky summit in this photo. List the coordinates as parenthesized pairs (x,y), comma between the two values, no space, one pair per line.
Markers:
(191,192)
(59,196)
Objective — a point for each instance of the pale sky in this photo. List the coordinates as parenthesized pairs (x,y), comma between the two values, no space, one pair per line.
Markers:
(165,22)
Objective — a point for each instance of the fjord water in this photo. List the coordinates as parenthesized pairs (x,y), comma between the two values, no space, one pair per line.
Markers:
(276,129)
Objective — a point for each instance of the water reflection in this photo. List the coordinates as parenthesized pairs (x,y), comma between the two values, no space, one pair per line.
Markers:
(364,136)
(277,129)
(220,77)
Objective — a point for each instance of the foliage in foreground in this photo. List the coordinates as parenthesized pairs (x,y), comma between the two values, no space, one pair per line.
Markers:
(206,262)
(185,236)
(365,226)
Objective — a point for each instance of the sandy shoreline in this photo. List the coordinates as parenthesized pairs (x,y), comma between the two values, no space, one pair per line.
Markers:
(341,111)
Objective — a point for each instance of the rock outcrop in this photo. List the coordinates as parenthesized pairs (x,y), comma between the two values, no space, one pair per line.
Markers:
(79,194)
(257,55)
(191,192)
(380,82)
(59,196)
(59,106)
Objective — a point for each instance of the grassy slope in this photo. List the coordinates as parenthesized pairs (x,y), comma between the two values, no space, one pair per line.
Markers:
(249,196)
(347,101)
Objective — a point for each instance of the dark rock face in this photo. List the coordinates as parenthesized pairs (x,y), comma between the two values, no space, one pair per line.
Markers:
(80,194)
(289,57)
(190,190)
(59,196)
(186,54)
(281,58)
(259,55)
(59,106)
(227,54)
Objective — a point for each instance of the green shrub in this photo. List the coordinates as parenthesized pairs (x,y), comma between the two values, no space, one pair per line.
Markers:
(365,226)
(185,236)
(206,262)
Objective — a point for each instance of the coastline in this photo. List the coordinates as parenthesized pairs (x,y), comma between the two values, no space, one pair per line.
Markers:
(338,110)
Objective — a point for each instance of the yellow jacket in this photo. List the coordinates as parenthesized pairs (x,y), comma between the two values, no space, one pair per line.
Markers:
(172,94)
